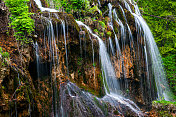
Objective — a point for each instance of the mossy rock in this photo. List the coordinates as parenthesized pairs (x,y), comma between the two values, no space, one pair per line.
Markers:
(109,33)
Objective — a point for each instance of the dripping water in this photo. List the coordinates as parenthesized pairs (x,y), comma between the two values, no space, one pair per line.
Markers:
(159,73)
(65,41)
(112,88)
(111,46)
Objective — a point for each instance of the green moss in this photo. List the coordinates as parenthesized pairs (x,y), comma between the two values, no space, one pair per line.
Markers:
(109,33)
(101,105)
(164,108)
(105,82)
(79,61)
(95,9)
(96,30)
(164,114)
(101,92)
(101,34)
(164,102)
(89,90)
(102,24)
(116,112)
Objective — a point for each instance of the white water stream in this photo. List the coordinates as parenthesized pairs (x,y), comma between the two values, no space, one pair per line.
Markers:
(158,69)
(113,85)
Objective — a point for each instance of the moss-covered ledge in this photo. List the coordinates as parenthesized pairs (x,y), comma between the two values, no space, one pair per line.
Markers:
(164,108)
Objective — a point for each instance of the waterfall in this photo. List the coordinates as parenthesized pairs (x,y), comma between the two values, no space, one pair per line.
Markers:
(122,30)
(158,69)
(39,4)
(111,83)
(111,46)
(112,88)
(65,41)
(123,39)
(37,58)
(108,69)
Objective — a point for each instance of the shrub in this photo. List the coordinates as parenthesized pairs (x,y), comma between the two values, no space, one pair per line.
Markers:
(5,54)
(74,5)
(20,19)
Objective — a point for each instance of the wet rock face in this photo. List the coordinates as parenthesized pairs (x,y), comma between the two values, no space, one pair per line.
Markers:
(3,18)
(48,89)
(80,47)
(163,109)
(130,68)
(15,82)
(74,102)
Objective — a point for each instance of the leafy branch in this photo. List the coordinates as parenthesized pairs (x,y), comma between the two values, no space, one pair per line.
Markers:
(20,19)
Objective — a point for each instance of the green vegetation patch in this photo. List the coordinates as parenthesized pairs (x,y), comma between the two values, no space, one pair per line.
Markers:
(20,19)
(164,102)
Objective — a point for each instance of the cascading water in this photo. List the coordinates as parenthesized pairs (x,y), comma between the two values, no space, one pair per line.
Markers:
(159,73)
(111,82)
(65,41)
(111,46)
(106,63)
(38,2)
(123,39)
(112,88)
(37,58)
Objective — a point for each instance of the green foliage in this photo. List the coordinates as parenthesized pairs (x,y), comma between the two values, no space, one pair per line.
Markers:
(57,4)
(96,30)
(4,54)
(20,19)
(101,105)
(101,34)
(74,5)
(79,61)
(103,25)
(169,63)
(95,9)
(164,108)
(164,102)
(109,33)
(164,31)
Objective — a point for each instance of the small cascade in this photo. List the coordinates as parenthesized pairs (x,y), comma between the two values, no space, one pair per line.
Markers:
(93,60)
(85,105)
(140,50)
(153,52)
(65,41)
(108,69)
(118,50)
(37,59)
(39,4)
(111,46)
(110,83)
(80,42)
(99,3)
(53,56)
(120,56)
